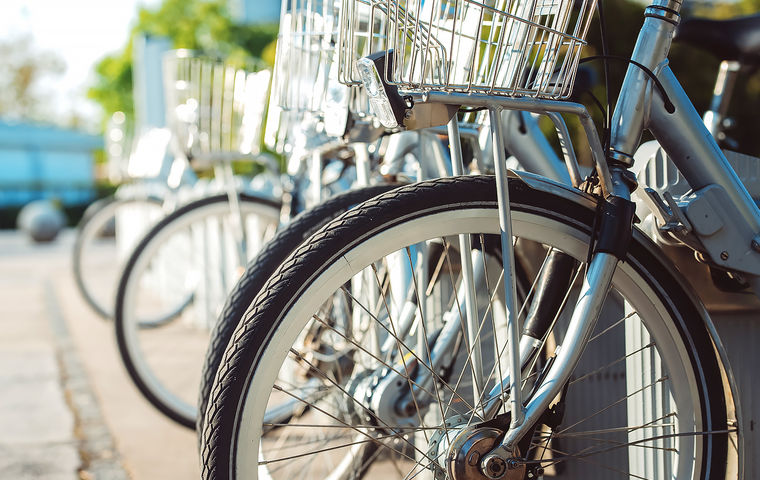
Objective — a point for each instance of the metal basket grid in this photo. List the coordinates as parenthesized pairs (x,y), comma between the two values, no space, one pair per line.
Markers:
(305,88)
(215,109)
(495,47)
(305,53)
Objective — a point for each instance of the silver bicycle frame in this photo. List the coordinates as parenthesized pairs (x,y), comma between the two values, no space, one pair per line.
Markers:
(595,285)
(684,137)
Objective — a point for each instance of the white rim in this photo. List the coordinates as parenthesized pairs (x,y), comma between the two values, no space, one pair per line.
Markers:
(529,226)
(129,325)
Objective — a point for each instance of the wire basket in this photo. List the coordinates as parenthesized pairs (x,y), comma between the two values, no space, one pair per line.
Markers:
(496,47)
(215,109)
(305,52)
(302,85)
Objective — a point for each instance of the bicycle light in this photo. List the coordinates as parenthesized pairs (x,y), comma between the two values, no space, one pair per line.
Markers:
(384,99)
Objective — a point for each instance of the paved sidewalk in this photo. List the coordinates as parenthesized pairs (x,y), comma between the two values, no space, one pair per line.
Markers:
(67,408)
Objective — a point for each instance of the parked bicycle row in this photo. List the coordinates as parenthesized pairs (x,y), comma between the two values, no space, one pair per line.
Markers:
(430,287)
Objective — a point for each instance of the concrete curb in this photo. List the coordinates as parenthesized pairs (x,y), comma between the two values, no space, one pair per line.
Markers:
(97,449)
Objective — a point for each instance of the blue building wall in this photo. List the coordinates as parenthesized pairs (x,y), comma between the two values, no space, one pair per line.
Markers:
(40,161)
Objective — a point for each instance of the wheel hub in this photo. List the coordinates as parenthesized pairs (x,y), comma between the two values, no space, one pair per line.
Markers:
(467,451)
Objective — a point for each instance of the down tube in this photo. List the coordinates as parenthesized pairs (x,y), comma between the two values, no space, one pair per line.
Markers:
(694,151)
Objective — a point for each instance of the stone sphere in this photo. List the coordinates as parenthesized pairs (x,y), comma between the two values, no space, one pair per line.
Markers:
(41,220)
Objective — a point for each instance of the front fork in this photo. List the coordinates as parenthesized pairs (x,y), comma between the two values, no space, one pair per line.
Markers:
(613,233)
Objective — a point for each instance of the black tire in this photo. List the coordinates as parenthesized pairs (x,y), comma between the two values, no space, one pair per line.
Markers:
(97,224)
(236,405)
(259,270)
(135,331)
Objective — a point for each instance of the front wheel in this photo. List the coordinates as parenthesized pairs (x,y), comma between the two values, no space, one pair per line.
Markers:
(172,289)
(329,377)
(262,266)
(105,236)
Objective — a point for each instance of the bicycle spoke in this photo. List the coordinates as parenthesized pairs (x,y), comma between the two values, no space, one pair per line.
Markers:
(489,310)
(611,327)
(415,473)
(626,429)
(521,311)
(423,327)
(353,425)
(612,363)
(524,305)
(353,400)
(481,399)
(587,461)
(600,451)
(399,343)
(455,300)
(386,326)
(332,448)
(391,367)
(340,388)
(617,402)
(321,439)
(408,350)
(349,426)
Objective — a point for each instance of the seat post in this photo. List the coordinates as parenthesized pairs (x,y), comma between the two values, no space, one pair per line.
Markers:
(724,86)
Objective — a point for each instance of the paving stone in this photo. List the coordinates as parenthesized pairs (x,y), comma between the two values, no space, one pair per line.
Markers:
(24,461)
(67,408)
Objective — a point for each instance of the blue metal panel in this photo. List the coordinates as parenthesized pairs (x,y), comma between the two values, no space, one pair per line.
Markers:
(15,166)
(18,134)
(147,76)
(41,161)
(66,167)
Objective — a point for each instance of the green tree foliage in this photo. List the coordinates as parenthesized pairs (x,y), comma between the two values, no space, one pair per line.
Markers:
(113,87)
(23,93)
(203,25)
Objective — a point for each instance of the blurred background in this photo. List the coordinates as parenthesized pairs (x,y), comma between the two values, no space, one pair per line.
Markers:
(81,80)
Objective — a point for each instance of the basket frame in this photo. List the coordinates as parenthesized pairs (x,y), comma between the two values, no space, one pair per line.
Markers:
(214,108)
(413,36)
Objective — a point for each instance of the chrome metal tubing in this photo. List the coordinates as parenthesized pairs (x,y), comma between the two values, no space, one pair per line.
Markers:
(535,105)
(468,281)
(674,5)
(586,312)
(694,151)
(455,146)
(496,397)
(236,219)
(651,50)
(315,175)
(724,87)
(508,261)
(571,161)
(468,133)
(525,140)
(443,349)
(363,167)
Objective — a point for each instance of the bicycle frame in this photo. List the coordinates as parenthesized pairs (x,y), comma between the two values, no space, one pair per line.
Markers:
(694,151)
(718,192)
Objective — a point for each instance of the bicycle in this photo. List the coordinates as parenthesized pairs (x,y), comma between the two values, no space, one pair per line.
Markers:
(161,177)
(524,140)
(178,274)
(167,300)
(111,226)
(432,378)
